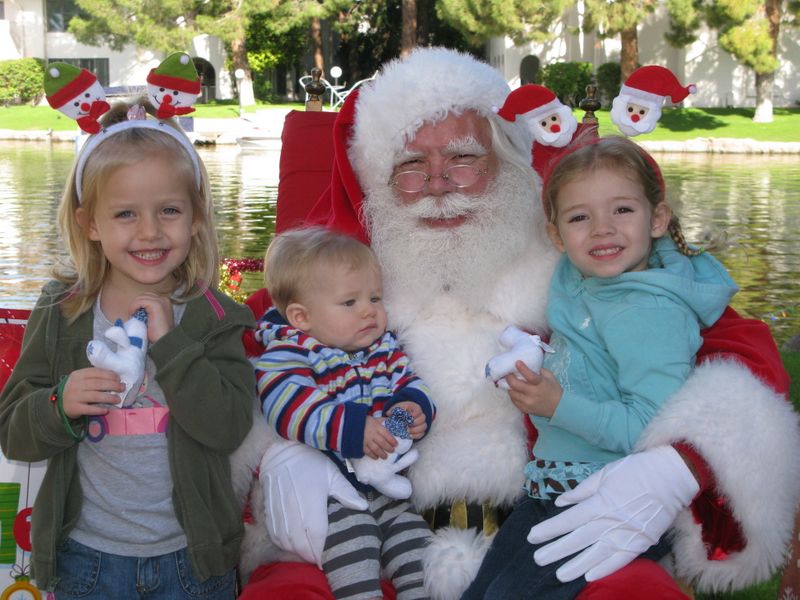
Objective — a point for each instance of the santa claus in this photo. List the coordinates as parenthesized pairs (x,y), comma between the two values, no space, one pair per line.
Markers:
(637,108)
(442,187)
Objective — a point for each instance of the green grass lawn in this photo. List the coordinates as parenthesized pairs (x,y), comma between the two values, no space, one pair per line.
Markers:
(689,123)
(675,123)
(42,118)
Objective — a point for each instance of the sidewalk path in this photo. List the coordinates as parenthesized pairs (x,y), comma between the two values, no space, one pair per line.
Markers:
(267,124)
(723,146)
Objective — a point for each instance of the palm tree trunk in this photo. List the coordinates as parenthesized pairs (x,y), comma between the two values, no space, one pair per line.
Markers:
(629,51)
(765,81)
(244,85)
(408,34)
(316,44)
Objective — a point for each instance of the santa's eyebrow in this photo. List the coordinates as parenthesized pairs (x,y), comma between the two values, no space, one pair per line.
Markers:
(465,145)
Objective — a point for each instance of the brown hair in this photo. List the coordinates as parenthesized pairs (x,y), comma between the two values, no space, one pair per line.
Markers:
(291,257)
(617,153)
(86,269)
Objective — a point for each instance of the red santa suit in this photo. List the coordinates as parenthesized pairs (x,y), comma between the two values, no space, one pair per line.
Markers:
(731,416)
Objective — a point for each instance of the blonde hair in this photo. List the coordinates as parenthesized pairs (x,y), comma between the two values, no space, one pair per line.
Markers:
(619,154)
(87,267)
(292,256)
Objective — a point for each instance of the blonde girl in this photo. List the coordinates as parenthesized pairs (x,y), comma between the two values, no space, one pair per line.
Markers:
(626,305)
(136,499)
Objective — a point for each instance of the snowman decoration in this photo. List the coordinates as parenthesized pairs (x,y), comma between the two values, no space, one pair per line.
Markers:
(76,93)
(637,108)
(551,122)
(173,86)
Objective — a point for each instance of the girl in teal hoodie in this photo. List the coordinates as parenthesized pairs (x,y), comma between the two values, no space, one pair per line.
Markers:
(626,306)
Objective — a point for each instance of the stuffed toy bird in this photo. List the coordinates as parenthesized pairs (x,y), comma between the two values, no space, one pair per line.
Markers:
(382,473)
(522,346)
(128,361)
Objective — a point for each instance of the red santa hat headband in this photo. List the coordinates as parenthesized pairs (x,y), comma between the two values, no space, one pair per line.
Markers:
(589,137)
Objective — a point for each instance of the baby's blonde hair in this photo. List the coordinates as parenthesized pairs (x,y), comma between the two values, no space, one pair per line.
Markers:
(292,256)
(87,268)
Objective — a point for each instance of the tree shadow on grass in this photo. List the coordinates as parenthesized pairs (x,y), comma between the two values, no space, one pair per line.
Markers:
(689,119)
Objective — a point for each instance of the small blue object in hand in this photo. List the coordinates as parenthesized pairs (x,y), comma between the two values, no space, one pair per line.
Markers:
(398,423)
(141,315)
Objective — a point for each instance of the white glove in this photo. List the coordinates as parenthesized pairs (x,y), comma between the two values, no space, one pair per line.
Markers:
(297,481)
(522,346)
(129,359)
(382,473)
(622,510)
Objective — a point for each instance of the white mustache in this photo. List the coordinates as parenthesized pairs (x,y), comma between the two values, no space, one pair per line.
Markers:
(448,206)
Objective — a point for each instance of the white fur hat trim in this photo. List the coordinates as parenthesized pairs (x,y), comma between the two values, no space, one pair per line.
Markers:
(423,87)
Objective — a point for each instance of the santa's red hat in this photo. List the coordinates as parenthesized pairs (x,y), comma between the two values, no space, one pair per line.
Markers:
(423,87)
(530,98)
(339,207)
(649,86)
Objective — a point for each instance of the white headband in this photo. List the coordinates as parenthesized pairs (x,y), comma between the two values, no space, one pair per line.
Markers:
(96,139)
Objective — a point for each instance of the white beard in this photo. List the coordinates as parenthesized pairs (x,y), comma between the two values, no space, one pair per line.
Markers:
(420,262)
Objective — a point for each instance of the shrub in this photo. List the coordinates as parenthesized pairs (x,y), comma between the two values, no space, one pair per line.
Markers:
(21,80)
(609,80)
(567,80)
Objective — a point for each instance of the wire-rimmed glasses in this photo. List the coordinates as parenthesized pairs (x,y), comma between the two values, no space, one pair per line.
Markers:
(458,176)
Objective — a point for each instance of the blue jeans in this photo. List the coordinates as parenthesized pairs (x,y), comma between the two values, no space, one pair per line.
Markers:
(92,575)
(508,570)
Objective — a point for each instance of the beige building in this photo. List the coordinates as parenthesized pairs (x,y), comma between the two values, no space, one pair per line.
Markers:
(720,80)
(37,28)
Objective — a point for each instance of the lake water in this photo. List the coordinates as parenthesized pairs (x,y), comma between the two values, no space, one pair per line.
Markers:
(753,201)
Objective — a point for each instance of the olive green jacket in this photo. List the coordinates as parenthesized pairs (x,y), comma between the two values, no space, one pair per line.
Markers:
(209,385)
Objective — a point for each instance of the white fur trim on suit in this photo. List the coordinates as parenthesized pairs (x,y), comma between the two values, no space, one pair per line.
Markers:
(451,561)
(750,438)
(425,86)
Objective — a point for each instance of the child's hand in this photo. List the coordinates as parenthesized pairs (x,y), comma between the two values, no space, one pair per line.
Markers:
(417,429)
(378,442)
(536,394)
(88,391)
(159,314)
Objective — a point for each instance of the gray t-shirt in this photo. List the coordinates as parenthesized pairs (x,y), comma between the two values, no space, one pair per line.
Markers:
(124,472)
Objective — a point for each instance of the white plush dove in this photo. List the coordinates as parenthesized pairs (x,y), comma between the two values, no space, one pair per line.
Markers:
(129,359)
(528,348)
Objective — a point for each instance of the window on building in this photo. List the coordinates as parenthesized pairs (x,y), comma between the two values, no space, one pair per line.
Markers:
(59,13)
(98,66)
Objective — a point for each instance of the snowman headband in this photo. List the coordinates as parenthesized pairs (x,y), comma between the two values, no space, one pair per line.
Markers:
(134,123)
(172,88)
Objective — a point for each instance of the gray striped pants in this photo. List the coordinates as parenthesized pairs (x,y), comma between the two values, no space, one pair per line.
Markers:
(388,535)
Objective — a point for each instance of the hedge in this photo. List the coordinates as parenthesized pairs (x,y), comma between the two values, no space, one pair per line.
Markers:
(21,81)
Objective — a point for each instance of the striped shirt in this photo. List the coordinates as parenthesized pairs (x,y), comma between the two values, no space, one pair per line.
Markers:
(321,396)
